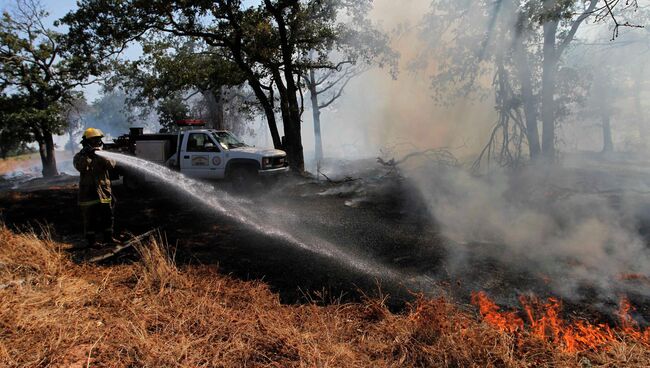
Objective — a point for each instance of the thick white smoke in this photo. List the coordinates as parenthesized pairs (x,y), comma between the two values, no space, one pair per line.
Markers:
(575,228)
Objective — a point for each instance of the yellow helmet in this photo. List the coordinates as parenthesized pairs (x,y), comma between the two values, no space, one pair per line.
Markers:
(92,133)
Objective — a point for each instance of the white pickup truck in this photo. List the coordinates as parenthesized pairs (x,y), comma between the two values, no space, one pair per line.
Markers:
(200,153)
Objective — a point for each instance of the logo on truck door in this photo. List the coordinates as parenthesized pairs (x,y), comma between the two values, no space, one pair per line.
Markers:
(216,160)
(200,160)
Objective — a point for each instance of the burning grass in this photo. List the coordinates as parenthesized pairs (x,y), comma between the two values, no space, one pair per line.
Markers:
(544,323)
(151,313)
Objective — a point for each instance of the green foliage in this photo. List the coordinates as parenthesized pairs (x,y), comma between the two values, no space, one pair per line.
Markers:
(170,110)
(222,24)
(174,67)
(27,61)
(12,138)
(171,65)
(215,33)
(16,113)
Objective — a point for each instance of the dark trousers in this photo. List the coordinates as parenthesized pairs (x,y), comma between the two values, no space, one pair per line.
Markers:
(97,219)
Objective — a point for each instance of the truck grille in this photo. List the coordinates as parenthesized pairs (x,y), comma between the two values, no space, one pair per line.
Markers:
(279,162)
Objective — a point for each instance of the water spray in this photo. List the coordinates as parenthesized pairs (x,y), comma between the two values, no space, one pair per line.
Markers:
(234,208)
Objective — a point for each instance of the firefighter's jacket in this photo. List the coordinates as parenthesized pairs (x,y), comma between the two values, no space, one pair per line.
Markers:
(94,180)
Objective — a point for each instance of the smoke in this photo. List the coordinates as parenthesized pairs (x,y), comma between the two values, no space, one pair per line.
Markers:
(110,113)
(577,230)
(378,111)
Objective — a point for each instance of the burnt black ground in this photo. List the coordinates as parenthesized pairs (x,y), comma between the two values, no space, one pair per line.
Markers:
(390,226)
(385,232)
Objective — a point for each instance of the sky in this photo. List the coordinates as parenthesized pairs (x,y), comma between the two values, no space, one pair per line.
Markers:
(56,8)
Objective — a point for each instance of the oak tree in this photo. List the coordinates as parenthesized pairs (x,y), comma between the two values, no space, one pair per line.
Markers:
(37,69)
(268,42)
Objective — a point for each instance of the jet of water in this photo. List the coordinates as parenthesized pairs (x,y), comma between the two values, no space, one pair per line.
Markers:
(234,208)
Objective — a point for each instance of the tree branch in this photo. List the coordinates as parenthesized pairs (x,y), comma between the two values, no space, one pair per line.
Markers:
(574,27)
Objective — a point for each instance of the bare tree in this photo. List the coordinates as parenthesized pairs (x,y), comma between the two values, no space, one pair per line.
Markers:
(325,87)
(522,46)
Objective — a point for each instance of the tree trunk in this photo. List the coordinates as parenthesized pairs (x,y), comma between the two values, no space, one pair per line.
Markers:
(265,101)
(272,123)
(528,98)
(214,103)
(292,129)
(46,151)
(289,91)
(318,142)
(608,144)
(530,109)
(549,72)
(291,120)
(268,111)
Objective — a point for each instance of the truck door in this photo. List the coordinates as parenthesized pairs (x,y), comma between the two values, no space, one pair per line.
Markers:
(201,157)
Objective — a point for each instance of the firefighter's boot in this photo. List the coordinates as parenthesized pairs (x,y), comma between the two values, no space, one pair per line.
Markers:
(91,242)
(108,238)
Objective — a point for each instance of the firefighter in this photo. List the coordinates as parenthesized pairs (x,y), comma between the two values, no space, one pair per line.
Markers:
(95,194)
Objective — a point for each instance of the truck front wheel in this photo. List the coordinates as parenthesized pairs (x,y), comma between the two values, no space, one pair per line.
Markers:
(243,178)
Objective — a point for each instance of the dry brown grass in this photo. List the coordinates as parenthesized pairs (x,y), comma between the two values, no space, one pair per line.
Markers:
(26,161)
(56,313)
(18,162)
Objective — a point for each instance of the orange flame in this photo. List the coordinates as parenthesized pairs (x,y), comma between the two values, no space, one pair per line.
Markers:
(545,323)
(504,321)
(629,325)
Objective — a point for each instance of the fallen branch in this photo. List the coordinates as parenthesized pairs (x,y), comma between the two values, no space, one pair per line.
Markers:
(440,155)
(347,179)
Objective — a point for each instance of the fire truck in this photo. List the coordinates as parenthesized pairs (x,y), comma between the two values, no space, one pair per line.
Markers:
(199,153)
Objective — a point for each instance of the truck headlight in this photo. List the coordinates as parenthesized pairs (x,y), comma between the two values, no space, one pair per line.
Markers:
(266,162)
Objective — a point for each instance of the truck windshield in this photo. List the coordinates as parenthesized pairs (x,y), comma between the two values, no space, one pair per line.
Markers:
(228,140)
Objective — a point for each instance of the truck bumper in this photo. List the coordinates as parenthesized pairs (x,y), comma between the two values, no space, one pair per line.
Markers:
(269,172)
